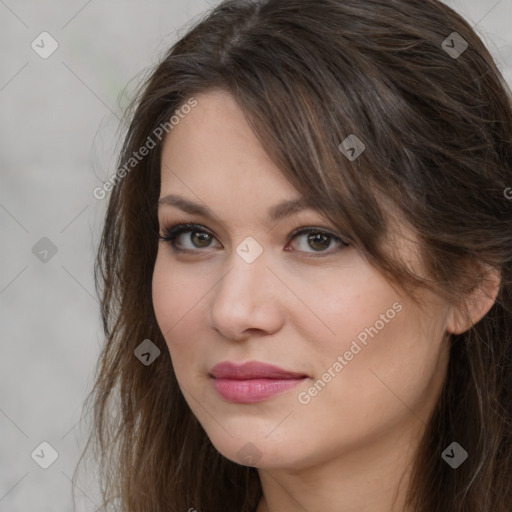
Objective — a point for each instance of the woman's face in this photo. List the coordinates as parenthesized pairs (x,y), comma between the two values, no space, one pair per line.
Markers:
(368,362)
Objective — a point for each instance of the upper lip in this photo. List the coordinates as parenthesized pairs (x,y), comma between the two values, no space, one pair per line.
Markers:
(252,370)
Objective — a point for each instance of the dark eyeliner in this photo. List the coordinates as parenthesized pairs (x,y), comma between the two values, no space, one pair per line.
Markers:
(307,229)
(173,232)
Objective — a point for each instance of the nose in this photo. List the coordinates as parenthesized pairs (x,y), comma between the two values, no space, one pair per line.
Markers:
(245,301)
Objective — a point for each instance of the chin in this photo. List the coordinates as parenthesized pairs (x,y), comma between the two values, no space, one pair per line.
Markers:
(258,452)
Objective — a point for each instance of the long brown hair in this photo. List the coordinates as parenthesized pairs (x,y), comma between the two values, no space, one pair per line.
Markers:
(435,116)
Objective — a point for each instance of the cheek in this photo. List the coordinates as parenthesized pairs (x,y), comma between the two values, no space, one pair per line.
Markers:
(164,294)
(180,302)
(389,347)
(171,301)
(353,306)
(176,296)
(175,288)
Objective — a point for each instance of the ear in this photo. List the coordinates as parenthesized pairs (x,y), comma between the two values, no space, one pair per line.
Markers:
(477,303)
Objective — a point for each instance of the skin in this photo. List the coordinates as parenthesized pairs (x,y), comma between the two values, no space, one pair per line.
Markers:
(351,446)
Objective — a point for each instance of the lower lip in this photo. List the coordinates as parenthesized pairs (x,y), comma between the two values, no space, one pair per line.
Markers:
(252,390)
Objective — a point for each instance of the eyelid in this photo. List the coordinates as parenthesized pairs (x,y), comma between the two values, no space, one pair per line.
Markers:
(301,228)
(177,228)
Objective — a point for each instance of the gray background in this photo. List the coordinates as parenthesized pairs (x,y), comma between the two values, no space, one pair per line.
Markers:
(59,127)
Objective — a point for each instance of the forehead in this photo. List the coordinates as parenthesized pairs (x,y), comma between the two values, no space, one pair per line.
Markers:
(212,152)
(215,117)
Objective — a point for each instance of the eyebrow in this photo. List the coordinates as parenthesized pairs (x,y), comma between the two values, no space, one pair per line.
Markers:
(275,213)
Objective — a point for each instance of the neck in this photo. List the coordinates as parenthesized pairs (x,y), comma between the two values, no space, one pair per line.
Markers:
(373,477)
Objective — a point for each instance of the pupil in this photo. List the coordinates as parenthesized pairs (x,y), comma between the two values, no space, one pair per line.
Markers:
(319,237)
(202,237)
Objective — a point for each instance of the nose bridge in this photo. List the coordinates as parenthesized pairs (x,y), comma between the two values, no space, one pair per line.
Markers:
(243,295)
(247,271)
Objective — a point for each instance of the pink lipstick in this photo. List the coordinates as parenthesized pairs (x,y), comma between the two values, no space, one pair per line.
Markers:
(252,381)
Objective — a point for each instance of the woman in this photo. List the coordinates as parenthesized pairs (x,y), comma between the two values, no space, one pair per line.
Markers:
(305,268)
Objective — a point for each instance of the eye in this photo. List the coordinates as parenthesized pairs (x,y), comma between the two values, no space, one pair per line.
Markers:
(317,239)
(200,238)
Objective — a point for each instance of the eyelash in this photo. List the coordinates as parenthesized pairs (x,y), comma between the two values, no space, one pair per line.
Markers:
(171,233)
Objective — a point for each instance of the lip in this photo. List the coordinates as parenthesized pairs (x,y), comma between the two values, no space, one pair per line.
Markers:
(252,381)
(252,370)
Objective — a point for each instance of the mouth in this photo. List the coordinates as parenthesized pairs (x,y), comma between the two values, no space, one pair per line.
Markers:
(252,381)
